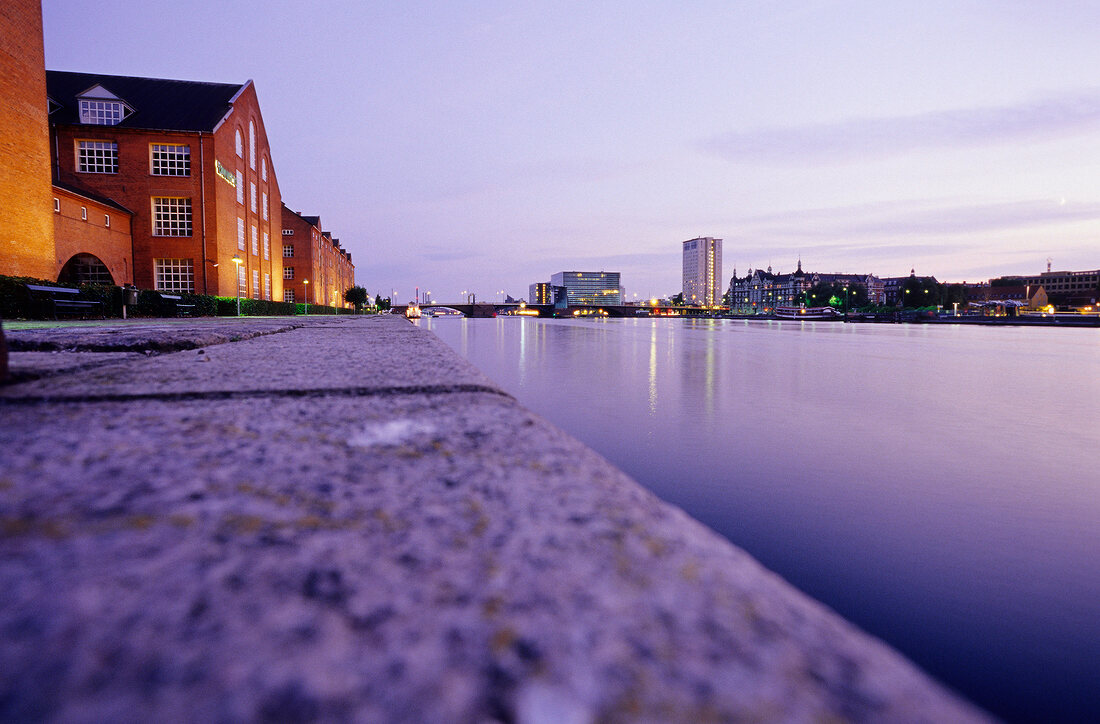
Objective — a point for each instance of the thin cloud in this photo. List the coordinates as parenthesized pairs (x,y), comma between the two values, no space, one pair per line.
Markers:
(864,138)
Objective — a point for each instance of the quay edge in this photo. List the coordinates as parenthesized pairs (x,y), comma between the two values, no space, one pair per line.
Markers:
(341,519)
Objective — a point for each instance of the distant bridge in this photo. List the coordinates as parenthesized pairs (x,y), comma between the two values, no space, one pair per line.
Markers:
(482,310)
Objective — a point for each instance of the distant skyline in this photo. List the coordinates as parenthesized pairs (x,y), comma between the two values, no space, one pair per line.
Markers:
(486,145)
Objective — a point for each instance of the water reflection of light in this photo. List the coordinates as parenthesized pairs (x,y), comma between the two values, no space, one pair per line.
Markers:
(653,368)
(522,351)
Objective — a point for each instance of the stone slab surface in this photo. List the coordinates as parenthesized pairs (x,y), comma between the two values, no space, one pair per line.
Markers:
(390,552)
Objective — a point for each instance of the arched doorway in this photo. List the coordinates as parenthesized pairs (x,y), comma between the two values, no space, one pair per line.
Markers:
(85,269)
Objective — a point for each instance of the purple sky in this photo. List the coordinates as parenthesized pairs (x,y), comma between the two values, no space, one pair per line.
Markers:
(486,145)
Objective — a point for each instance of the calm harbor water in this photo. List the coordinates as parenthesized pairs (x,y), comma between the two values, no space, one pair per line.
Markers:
(937,485)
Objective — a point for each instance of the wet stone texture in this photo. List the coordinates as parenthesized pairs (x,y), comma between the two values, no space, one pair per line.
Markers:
(405,544)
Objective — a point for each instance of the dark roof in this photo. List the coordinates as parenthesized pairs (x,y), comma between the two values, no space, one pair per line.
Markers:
(79,191)
(170,105)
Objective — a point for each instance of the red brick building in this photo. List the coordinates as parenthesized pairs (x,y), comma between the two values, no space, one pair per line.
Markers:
(26,219)
(310,253)
(191,161)
(92,238)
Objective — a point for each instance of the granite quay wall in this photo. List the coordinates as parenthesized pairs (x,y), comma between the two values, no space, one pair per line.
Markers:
(338,519)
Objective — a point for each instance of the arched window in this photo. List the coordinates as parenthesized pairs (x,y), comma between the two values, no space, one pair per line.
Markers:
(252,145)
(263,168)
(240,144)
(85,269)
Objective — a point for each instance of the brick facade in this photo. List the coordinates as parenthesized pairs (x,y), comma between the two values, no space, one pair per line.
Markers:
(88,227)
(26,221)
(210,189)
(316,256)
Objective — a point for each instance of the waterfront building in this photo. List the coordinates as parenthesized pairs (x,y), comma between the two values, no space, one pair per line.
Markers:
(760,291)
(702,271)
(894,287)
(26,221)
(191,161)
(540,293)
(588,288)
(1064,288)
(314,267)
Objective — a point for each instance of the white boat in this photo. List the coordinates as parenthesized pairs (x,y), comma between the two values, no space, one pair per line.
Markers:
(806,313)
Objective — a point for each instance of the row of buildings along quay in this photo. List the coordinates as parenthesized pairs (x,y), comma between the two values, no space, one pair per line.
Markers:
(168,185)
(763,291)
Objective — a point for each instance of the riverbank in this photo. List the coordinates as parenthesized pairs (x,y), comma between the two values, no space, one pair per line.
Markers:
(340,519)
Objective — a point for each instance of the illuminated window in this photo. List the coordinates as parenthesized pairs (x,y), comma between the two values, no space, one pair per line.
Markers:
(170,159)
(174,275)
(171,216)
(97,157)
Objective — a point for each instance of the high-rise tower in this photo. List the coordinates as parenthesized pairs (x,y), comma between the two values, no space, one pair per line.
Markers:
(703,271)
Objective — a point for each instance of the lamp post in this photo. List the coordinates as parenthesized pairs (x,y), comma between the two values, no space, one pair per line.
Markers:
(306,283)
(238,261)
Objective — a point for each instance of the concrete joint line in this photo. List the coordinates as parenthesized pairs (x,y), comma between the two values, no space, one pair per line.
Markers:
(255,394)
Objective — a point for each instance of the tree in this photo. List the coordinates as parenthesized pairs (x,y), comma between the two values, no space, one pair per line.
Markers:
(835,294)
(356,296)
(381,304)
(678,300)
(920,292)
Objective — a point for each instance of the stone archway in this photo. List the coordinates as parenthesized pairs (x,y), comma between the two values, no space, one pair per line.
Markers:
(85,269)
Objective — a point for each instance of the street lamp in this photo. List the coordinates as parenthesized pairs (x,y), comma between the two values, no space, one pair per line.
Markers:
(306,312)
(238,261)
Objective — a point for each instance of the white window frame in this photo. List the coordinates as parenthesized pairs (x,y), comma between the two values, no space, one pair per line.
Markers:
(172,216)
(255,241)
(96,156)
(255,283)
(252,195)
(288,295)
(174,275)
(169,159)
(240,144)
(267,246)
(288,251)
(263,168)
(102,112)
(242,281)
(240,234)
(252,145)
(83,213)
(288,272)
(267,286)
(264,198)
(57,205)
(240,187)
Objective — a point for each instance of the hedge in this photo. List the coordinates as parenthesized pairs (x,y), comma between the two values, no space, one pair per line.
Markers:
(15,302)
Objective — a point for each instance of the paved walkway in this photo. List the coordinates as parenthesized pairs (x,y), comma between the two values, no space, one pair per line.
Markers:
(338,519)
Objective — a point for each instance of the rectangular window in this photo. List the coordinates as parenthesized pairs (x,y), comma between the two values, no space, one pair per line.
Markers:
(57,206)
(107,220)
(288,232)
(267,286)
(240,187)
(242,285)
(265,205)
(255,242)
(83,213)
(288,251)
(267,246)
(169,159)
(174,275)
(97,157)
(255,283)
(101,113)
(252,195)
(171,216)
(288,272)
(288,295)
(240,233)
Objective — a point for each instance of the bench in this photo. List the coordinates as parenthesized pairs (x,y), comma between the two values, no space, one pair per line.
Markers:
(174,301)
(61,300)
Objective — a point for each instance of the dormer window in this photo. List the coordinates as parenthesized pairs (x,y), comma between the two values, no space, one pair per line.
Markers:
(101,107)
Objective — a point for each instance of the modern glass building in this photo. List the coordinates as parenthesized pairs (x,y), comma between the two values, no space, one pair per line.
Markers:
(589,288)
(703,272)
(539,293)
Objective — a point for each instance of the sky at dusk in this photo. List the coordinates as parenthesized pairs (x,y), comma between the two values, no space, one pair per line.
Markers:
(486,145)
